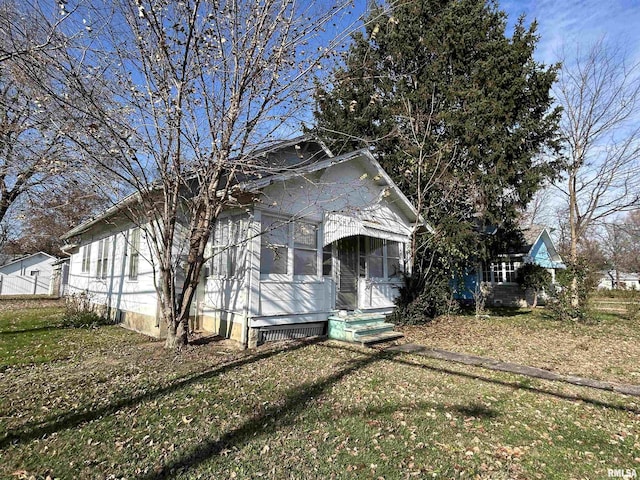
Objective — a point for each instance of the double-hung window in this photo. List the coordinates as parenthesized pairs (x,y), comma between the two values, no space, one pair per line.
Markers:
(290,248)
(134,253)
(305,249)
(103,258)
(274,248)
(380,258)
(395,252)
(228,253)
(500,272)
(86,258)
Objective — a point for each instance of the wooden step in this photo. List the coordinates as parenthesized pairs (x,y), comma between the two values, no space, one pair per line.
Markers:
(379,338)
(372,329)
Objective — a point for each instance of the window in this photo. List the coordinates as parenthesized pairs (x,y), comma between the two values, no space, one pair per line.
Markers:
(274,250)
(375,257)
(510,271)
(134,253)
(500,272)
(486,272)
(86,258)
(228,254)
(305,249)
(103,258)
(327,261)
(378,255)
(394,258)
(286,244)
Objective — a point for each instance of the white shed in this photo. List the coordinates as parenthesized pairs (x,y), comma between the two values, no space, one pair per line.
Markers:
(27,275)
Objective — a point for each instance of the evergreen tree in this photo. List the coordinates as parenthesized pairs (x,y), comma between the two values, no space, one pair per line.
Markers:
(457,112)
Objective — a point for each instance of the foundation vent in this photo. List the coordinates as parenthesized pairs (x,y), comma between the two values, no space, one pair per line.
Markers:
(290,332)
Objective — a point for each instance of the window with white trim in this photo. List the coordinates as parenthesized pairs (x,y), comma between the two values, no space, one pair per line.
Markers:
(86,258)
(305,248)
(228,256)
(103,258)
(274,246)
(500,272)
(290,248)
(134,253)
(327,260)
(395,254)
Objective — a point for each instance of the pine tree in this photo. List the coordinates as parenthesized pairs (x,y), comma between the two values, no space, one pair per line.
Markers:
(457,112)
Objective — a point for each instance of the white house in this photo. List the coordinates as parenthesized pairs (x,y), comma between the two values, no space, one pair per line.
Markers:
(627,281)
(331,233)
(28,275)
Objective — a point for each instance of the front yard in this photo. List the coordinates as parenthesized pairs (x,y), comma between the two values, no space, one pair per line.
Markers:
(108,403)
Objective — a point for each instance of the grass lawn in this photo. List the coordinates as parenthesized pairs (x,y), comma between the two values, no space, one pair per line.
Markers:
(108,403)
(607,347)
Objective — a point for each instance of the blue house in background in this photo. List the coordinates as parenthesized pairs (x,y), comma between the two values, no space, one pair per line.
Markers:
(497,279)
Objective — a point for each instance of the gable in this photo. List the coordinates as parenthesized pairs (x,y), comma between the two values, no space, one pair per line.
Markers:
(543,252)
(353,193)
(38,261)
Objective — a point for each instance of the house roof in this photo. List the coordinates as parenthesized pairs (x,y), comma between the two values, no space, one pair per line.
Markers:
(531,235)
(24,257)
(321,159)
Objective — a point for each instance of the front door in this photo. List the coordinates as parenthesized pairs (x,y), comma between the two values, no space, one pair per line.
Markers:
(347,273)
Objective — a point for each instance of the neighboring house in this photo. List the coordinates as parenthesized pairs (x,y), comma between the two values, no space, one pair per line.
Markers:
(331,233)
(28,275)
(498,278)
(611,279)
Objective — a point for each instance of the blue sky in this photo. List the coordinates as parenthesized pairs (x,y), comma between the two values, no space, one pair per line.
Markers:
(572,22)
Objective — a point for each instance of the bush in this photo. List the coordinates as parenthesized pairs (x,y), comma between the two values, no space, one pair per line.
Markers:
(561,304)
(80,313)
(420,301)
(535,278)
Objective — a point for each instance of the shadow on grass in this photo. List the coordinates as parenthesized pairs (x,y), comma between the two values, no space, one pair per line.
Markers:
(476,410)
(299,398)
(30,330)
(508,311)
(286,411)
(74,418)
(522,385)
(206,340)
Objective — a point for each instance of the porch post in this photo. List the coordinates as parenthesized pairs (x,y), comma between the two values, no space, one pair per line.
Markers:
(253,266)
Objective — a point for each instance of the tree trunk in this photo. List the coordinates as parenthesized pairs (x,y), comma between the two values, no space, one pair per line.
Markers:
(573,218)
(177,334)
(535,298)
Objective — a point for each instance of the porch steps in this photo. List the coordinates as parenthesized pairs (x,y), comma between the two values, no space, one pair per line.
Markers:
(363,328)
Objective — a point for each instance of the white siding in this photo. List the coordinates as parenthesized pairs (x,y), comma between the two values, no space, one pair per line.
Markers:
(116,290)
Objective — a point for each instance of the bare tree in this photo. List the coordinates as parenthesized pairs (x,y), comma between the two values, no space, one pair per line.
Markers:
(31,150)
(175,97)
(621,244)
(27,28)
(600,95)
